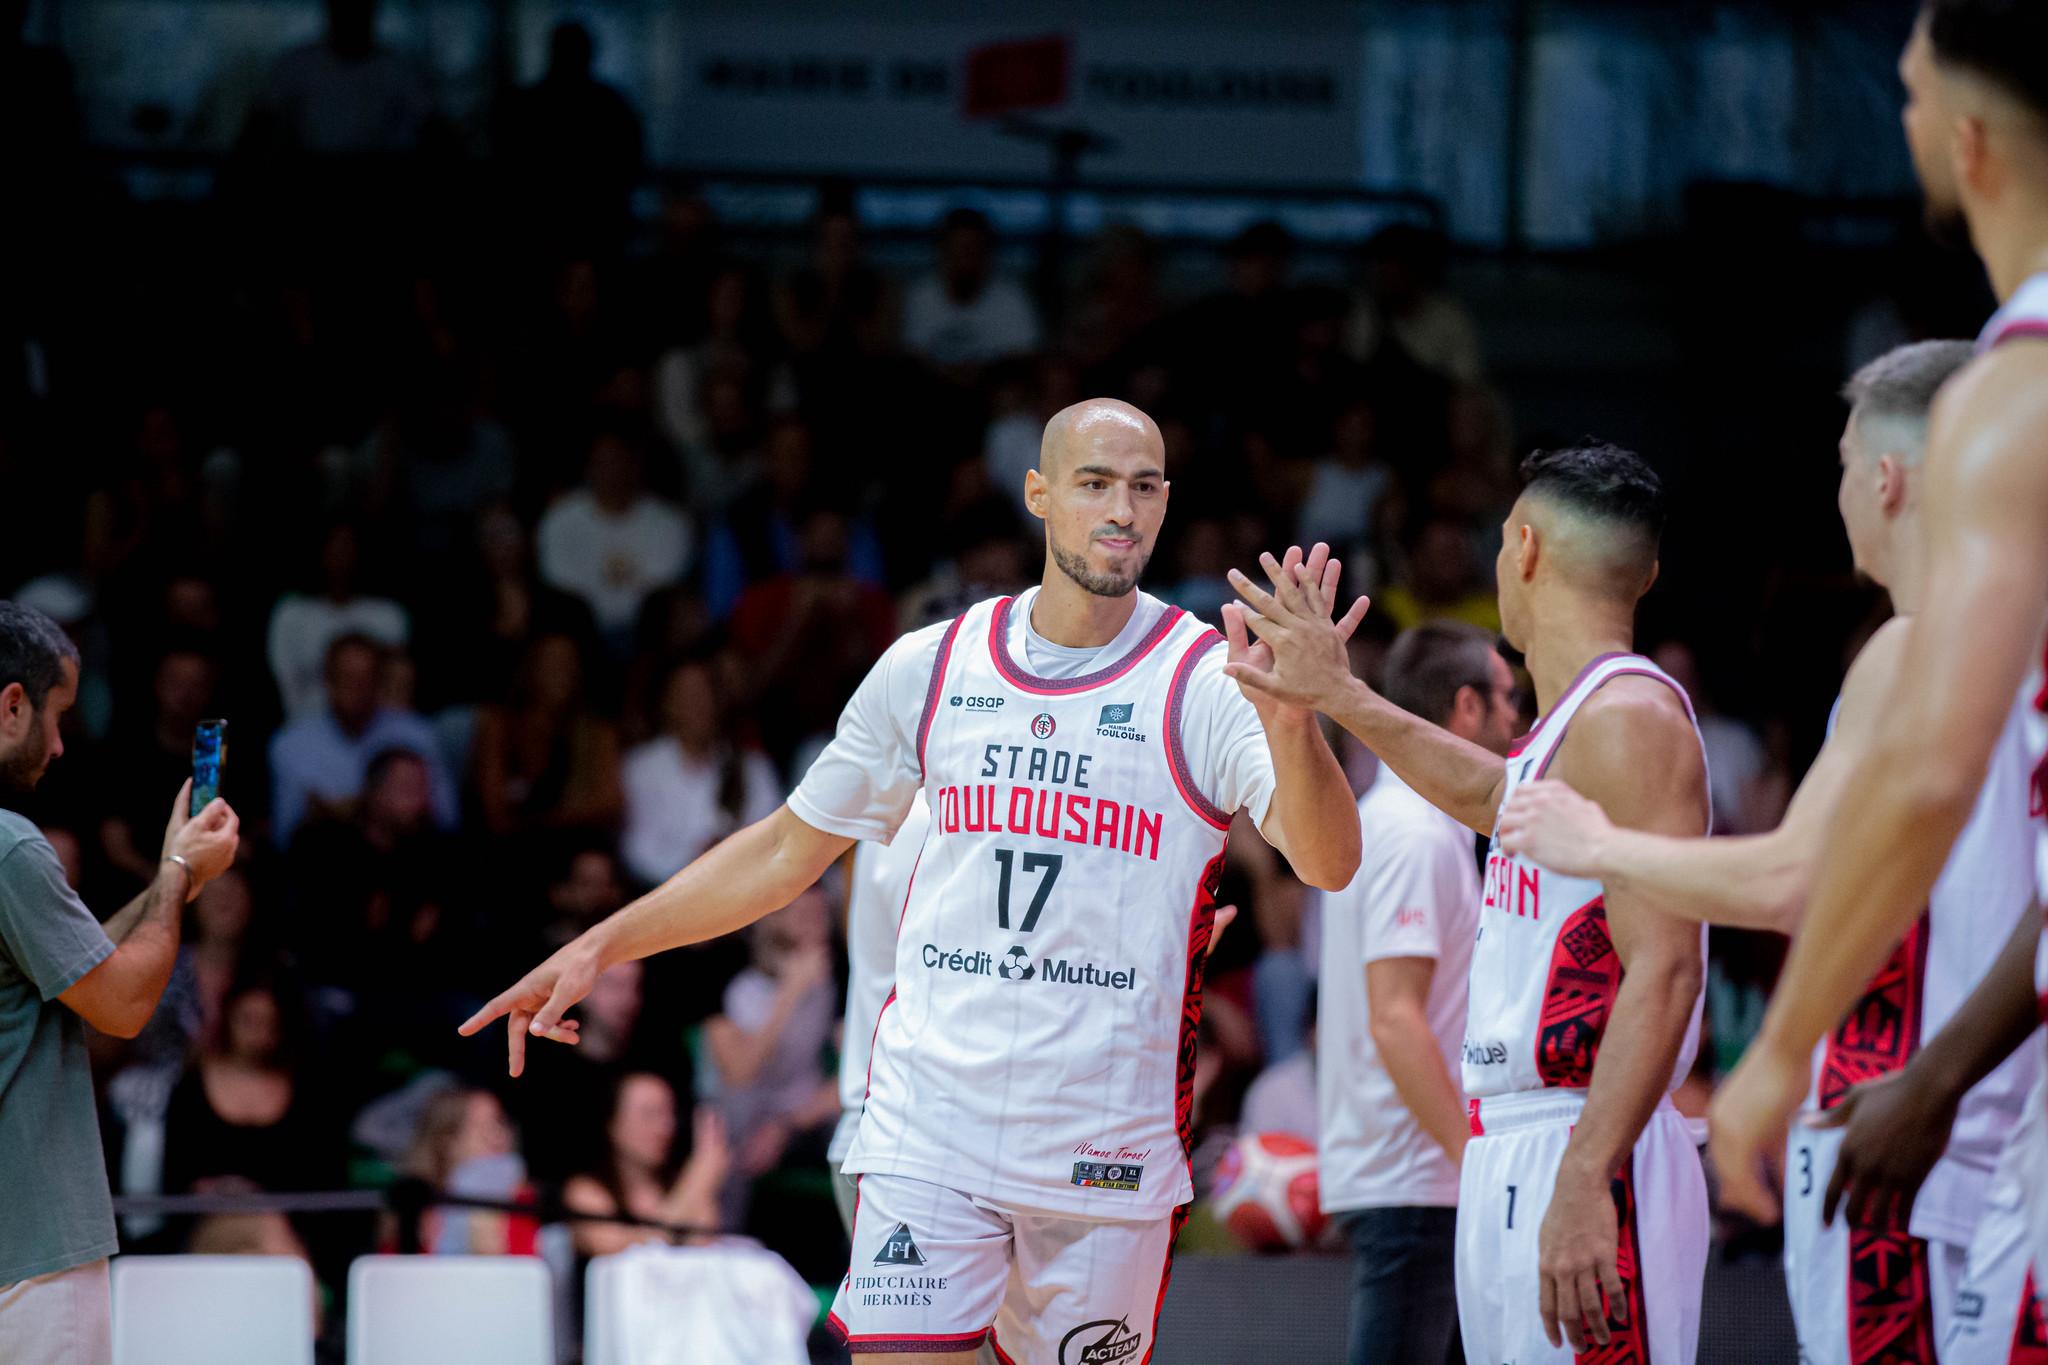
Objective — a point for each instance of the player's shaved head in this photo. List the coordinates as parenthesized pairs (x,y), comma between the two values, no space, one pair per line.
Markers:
(1097,424)
(1599,511)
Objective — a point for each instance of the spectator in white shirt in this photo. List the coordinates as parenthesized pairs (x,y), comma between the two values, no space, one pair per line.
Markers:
(611,542)
(1397,944)
(303,625)
(691,785)
(964,316)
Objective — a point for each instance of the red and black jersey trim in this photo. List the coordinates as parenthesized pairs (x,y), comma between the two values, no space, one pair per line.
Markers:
(1015,675)
(1578,996)
(2029,1334)
(1628,1335)
(1201,928)
(1882,1029)
(1891,1298)
(1180,1220)
(936,686)
(903,1344)
(1176,749)
(1515,750)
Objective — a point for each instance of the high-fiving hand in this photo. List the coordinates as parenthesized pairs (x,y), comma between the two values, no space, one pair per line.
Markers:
(1300,657)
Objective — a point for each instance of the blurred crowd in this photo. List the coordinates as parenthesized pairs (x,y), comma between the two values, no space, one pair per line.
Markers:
(528,563)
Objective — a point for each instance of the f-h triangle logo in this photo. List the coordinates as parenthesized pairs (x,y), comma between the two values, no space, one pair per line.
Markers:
(900,1248)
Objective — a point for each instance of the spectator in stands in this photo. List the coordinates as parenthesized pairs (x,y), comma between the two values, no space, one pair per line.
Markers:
(1115,322)
(369,887)
(1443,581)
(572,144)
(465,1143)
(343,95)
(1026,397)
(154,758)
(1406,305)
(243,1110)
(482,624)
(611,542)
(693,784)
(437,455)
(1226,345)
(1282,1098)
(642,1173)
(303,625)
(768,1044)
(806,638)
(739,339)
(543,761)
(963,315)
(318,762)
(1348,489)
(1737,762)
(757,537)
(835,307)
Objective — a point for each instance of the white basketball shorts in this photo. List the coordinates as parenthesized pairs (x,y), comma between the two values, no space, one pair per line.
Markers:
(1996,1318)
(1503,1193)
(1859,1294)
(935,1270)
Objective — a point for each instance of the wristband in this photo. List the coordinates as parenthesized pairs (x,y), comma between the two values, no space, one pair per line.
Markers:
(179,859)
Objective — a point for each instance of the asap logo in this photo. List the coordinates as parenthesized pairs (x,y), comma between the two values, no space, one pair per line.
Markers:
(968,703)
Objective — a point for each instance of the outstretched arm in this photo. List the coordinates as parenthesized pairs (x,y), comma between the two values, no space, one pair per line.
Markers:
(1754,881)
(758,870)
(1987,529)
(1310,668)
(1632,749)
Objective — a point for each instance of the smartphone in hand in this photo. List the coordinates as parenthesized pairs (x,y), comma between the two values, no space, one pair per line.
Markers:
(209,761)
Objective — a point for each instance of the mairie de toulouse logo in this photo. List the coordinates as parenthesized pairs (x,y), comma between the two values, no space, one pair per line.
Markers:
(1042,725)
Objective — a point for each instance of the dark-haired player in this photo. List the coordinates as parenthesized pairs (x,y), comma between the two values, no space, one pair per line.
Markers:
(1878,1284)
(1976,74)
(1582,1210)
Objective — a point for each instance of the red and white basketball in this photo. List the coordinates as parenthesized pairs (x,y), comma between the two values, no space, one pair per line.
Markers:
(1266,1192)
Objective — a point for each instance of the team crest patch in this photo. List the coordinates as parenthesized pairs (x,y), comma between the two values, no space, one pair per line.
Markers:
(1042,725)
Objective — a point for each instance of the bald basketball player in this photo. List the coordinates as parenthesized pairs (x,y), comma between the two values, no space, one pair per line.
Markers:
(1976,74)
(1023,1149)
(1582,1210)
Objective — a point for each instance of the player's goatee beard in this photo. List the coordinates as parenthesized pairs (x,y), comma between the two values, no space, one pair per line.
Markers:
(1099,584)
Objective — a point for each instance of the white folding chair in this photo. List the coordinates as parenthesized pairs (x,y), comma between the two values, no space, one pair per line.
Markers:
(202,1310)
(449,1310)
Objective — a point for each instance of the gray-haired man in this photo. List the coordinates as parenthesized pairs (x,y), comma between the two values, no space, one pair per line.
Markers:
(59,966)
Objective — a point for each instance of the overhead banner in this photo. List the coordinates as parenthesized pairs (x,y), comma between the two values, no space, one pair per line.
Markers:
(1211,103)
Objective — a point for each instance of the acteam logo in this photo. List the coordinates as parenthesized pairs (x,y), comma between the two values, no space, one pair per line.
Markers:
(1042,725)
(1100,1343)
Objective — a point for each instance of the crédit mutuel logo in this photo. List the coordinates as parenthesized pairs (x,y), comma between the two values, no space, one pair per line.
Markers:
(1015,965)
(1115,722)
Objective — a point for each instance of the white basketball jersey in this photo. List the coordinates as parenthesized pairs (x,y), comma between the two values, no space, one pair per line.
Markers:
(2025,317)
(1984,888)
(1544,970)
(874,903)
(1039,1047)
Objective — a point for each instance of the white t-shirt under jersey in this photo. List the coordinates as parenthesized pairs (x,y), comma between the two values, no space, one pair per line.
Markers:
(1416,895)
(862,784)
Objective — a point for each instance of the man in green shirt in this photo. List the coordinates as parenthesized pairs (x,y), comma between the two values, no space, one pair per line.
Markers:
(59,970)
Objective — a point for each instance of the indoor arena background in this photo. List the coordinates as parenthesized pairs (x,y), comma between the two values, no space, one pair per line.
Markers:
(297,349)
